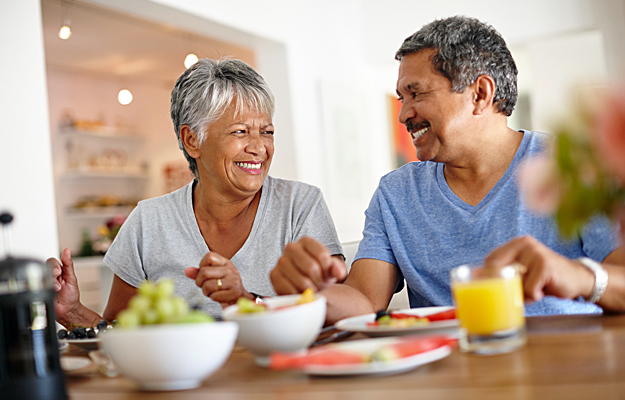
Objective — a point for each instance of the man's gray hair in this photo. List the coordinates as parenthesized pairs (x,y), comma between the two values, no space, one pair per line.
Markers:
(205,90)
(465,49)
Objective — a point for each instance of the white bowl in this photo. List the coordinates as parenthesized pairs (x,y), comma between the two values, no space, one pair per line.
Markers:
(291,329)
(170,356)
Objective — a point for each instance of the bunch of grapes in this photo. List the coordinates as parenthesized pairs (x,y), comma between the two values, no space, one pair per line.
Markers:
(156,303)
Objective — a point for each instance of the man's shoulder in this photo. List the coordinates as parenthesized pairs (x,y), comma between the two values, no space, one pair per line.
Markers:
(537,141)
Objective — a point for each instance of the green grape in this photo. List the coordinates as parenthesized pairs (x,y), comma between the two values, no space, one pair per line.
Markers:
(164,308)
(164,288)
(147,288)
(181,307)
(157,304)
(247,306)
(128,319)
(195,316)
(140,303)
(149,317)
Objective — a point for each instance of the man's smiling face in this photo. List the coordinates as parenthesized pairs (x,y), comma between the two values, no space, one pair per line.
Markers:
(435,116)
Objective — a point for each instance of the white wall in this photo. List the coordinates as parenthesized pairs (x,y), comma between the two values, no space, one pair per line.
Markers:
(553,90)
(26,187)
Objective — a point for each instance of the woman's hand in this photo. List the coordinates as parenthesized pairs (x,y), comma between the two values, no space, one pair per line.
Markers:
(548,273)
(67,299)
(304,264)
(219,279)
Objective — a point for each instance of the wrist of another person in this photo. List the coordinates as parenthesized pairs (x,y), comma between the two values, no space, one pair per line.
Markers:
(79,316)
(593,281)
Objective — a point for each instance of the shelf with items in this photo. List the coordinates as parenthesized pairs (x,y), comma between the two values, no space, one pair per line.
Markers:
(99,213)
(102,152)
(95,174)
(101,174)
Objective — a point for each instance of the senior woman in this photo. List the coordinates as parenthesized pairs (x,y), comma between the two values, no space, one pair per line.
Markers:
(233,220)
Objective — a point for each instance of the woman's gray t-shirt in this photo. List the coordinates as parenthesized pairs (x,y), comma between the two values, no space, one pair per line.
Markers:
(161,238)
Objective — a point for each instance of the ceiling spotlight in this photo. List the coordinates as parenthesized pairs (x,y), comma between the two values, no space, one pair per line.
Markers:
(190,60)
(65,32)
(124,97)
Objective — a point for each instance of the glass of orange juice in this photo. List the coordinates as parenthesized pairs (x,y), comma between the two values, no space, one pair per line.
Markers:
(489,305)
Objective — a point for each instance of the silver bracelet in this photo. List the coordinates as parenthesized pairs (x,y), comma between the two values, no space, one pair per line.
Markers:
(601,278)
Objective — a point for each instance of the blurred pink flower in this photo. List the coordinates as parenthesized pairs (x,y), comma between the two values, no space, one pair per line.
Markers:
(116,222)
(609,134)
(538,180)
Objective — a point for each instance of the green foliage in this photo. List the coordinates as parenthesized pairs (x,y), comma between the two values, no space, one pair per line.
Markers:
(587,189)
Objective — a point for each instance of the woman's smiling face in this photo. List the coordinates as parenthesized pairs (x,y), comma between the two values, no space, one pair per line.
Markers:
(237,151)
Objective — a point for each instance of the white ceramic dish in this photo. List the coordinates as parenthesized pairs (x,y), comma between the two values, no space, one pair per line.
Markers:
(170,356)
(69,363)
(289,329)
(85,344)
(359,324)
(63,347)
(376,367)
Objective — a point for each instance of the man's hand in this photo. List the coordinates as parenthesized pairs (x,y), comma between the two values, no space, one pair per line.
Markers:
(548,273)
(306,264)
(219,279)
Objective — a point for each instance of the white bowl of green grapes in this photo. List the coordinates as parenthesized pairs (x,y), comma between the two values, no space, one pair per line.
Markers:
(161,344)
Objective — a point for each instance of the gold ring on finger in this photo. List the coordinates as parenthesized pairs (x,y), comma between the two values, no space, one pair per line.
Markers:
(219,285)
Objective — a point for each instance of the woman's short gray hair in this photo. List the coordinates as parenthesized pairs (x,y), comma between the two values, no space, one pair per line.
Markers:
(205,90)
(467,48)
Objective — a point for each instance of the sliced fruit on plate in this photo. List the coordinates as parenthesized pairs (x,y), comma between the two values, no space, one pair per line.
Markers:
(316,357)
(328,355)
(439,316)
(406,347)
(405,320)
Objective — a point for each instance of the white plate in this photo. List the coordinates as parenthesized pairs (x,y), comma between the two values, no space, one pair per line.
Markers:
(368,346)
(87,344)
(359,324)
(74,363)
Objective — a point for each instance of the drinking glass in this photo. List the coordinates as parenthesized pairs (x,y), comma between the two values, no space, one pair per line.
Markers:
(489,305)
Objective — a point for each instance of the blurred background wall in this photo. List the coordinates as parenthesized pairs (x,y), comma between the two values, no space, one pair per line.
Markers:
(330,64)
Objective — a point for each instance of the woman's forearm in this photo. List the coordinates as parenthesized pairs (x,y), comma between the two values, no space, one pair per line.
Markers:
(82,316)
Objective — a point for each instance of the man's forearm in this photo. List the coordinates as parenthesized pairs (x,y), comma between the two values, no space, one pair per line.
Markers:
(613,299)
(344,301)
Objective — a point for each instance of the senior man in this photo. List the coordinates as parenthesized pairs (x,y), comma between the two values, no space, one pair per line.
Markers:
(457,84)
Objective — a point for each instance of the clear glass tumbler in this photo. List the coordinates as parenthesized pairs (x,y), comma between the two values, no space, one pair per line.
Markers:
(489,305)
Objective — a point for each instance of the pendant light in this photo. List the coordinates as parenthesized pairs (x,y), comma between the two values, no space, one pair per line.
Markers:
(66,31)
(124,97)
(191,58)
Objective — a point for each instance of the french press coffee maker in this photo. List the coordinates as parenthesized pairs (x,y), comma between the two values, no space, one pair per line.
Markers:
(29,352)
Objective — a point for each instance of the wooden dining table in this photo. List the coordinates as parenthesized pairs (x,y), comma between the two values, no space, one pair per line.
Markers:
(566,357)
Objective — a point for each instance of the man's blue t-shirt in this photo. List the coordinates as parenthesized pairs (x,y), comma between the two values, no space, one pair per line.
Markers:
(416,222)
